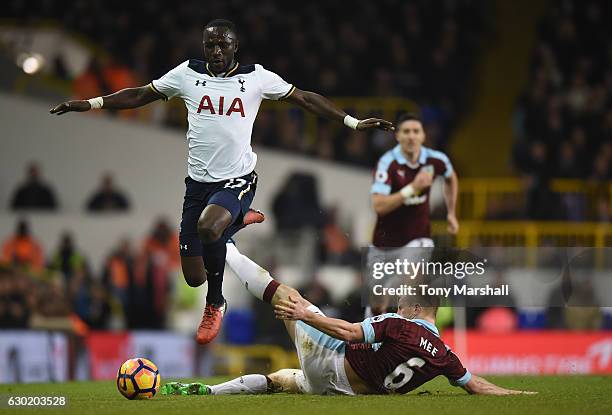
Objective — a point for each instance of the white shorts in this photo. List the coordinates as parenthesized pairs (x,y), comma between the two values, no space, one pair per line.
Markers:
(389,254)
(421,243)
(321,360)
(412,255)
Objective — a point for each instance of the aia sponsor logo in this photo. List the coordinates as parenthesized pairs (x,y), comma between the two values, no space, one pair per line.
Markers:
(218,108)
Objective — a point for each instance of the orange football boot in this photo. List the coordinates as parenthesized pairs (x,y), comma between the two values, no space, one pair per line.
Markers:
(211,323)
(253,216)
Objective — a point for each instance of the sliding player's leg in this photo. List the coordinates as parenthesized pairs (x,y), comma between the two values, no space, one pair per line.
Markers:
(321,356)
(284,380)
(260,283)
(247,385)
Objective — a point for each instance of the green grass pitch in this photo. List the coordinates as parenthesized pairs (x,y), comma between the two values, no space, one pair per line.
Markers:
(557,395)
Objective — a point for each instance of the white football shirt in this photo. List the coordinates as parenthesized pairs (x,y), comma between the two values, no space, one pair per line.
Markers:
(221,111)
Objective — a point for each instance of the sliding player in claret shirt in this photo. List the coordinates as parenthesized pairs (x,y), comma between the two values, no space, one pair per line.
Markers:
(400,193)
(222,99)
(389,353)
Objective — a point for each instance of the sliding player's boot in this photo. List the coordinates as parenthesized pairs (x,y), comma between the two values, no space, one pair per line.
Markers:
(178,388)
(211,322)
(253,216)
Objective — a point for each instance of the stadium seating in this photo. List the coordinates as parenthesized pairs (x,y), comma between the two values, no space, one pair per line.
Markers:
(563,120)
(424,51)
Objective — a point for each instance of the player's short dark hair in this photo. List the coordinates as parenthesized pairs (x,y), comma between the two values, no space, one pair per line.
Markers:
(228,24)
(409,116)
(430,301)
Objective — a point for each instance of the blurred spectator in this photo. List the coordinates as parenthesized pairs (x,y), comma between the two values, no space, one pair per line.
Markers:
(118,271)
(108,198)
(34,193)
(163,244)
(91,82)
(90,300)
(296,205)
(542,202)
(356,149)
(14,306)
(99,312)
(67,259)
(317,294)
(351,309)
(149,288)
(336,245)
(52,302)
(22,249)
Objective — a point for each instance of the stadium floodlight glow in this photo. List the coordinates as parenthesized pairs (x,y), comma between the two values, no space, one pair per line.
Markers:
(31,63)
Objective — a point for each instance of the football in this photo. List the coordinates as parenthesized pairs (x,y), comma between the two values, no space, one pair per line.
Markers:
(138,378)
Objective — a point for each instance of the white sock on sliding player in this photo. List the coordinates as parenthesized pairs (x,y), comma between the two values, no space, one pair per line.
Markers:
(247,384)
(252,276)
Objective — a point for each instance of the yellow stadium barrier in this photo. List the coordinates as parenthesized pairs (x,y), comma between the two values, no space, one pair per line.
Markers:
(527,234)
(236,358)
(477,197)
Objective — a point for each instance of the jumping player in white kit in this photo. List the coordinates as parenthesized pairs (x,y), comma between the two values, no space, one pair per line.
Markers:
(222,98)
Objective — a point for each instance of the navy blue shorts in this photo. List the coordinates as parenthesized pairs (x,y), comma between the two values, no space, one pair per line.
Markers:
(235,195)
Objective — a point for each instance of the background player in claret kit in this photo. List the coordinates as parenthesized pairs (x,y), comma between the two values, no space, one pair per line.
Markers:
(389,353)
(400,192)
(222,99)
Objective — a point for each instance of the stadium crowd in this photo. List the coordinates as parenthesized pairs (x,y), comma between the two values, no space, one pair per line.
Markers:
(563,120)
(135,287)
(425,51)
(132,286)
(36,194)
(421,50)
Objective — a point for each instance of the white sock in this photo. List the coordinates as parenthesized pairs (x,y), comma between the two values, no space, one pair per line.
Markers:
(252,276)
(247,384)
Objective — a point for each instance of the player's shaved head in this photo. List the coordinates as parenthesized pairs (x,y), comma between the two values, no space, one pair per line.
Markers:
(220,45)
(412,306)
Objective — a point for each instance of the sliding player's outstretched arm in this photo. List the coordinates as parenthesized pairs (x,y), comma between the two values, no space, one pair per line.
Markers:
(480,386)
(297,309)
(125,99)
(323,107)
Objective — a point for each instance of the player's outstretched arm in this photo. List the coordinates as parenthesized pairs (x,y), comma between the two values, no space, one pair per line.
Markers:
(124,99)
(297,309)
(323,107)
(480,386)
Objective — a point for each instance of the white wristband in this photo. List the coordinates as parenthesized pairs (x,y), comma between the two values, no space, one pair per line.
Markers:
(351,122)
(96,103)
(407,191)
